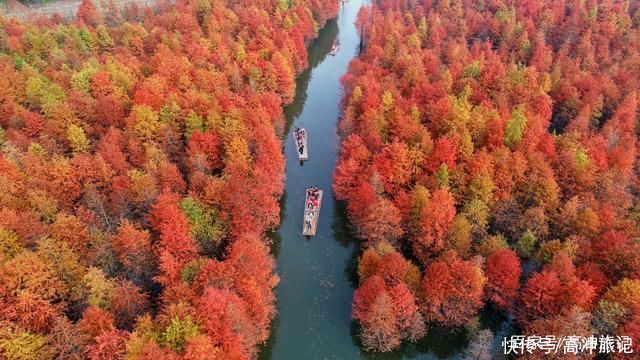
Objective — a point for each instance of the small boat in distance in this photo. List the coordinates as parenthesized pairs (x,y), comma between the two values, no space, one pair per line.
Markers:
(312,203)
(335,47)
(300,139)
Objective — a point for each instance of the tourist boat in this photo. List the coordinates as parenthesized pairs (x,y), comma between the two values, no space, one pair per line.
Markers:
(304,155)
(335,47)
(311,214)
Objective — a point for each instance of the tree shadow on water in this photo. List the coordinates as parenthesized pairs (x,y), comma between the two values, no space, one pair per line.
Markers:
(340,225)
(265,350)
(342,233)
(438,344)
(317,52)
(274,235)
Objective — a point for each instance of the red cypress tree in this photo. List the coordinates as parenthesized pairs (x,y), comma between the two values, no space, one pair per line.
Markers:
(88,13)
(432,222)
(451,290)
(175,247)
(503,278)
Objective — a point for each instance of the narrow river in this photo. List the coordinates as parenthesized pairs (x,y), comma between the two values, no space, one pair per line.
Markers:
(314,295)
(318,273)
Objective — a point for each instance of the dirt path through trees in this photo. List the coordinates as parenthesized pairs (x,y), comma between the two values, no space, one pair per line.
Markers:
(67,9)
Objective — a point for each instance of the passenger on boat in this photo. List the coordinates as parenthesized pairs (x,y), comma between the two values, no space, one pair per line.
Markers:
(308,220)
(312,200)
(299,133)
(312,203)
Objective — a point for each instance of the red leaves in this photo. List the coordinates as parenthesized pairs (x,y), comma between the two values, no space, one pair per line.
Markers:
(250,208)
(94,322)
(541,295)
(200,348)
(255,279)
(503,278)
(68,229)
(32,312)
(554,290)
(150,92)
(451,290)
(111,148)
(110,345)
(394,166)
(110,111)
(88,13)
(387,314)
(351,167)
(32,295)
(381,223)
(444,152)
(284,76)
(204,151)
(252,282)
(33,123)
(408,319)
(365,296)
(378,320)
(226,322)
(128,303)
(345,178)
(618,254)
(432,222)
(175,247)
(363,196)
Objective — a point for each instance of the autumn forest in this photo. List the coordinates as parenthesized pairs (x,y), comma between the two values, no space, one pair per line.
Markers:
(487,166)
(131,144)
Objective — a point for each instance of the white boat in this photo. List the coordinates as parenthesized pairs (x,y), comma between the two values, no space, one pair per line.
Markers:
(311,213)
(334,48)
(301,142)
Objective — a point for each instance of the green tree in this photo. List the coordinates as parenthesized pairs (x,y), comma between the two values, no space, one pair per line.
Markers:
(9,245)
(77,139)
(526,244)
(206,226)
(99,289)
(17,344)
(145,122)
(515,128)
(178,332)
(193,122)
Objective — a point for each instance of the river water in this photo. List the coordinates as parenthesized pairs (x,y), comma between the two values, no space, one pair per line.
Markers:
(314,294)
(318,273)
